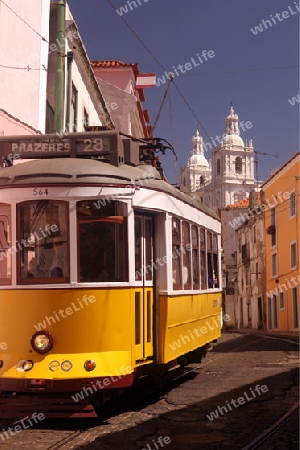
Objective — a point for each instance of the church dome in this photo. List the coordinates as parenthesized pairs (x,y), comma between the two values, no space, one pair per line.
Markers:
(198,160)
(232,140)
(232,133)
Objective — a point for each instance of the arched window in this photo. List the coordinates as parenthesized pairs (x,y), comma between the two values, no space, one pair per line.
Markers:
(218,167)
(201,180)
(238,164)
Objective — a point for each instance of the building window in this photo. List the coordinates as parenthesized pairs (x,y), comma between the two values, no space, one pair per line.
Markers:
(218,167)
(272,313)
(245,252)
(293,204)
(86,119)
(269,313)
(295,307)
(274,265)
(238,164)
(275,314)
(256,270)
(281,300)
(294,255)
(273,223)
(74,109)
(201,180)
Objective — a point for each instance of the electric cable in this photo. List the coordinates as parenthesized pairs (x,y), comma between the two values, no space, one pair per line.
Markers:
(24,21)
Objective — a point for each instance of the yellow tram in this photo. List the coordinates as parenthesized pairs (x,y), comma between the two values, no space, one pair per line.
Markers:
(107,271)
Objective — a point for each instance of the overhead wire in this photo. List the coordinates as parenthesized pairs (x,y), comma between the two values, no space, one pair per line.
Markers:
(110,2)
(171,119)
(24,21)
(28,68)
(170,79)
(145,46)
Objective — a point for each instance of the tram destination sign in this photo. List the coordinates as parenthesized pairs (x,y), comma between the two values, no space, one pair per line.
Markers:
(104,144)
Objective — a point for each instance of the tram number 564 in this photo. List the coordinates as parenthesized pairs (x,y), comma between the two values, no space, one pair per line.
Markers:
(40,192)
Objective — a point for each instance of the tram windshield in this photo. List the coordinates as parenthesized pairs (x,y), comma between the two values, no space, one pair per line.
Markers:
(102,251)
(42,242)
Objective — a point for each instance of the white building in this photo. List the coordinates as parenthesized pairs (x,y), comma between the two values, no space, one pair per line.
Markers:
(232,165)
(197,171)
(74,98)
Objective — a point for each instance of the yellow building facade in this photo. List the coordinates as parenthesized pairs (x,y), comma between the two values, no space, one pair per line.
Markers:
(281,194)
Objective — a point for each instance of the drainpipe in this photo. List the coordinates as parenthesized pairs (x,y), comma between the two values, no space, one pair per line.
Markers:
(60,68)
(69,127)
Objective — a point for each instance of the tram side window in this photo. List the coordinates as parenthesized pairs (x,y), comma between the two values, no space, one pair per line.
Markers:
(186,256)
(203,259)
(212,258)
(176,254)
(42,242)
(138,248)
(215,260)
(5,244)
(195,257)
(102,242)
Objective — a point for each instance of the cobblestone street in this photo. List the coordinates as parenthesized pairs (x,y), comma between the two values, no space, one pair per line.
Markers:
(242,388)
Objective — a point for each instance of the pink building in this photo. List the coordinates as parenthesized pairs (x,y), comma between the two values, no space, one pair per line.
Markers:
(23,66)
(122,86)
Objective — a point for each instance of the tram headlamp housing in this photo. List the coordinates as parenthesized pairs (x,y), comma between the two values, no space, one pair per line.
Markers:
(42,342)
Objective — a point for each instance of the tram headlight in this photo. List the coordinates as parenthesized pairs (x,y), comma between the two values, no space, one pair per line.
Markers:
(42,342)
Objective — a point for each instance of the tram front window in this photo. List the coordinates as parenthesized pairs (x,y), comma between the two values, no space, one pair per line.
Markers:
(102,242)
(42,242)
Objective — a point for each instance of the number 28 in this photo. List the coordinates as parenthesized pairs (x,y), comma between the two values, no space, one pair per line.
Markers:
(93,144)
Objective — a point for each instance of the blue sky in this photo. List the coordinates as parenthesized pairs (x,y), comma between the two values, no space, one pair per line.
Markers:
(176,31)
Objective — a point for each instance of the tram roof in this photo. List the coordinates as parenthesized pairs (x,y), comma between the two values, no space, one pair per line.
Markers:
(79,171)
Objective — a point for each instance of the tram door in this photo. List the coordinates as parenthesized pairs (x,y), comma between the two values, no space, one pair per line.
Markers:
(144,290)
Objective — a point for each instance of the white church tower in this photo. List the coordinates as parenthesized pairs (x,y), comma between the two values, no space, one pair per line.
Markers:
(197,172)
(232,165)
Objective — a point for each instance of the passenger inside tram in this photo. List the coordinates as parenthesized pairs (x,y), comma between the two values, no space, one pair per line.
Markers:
(58,266)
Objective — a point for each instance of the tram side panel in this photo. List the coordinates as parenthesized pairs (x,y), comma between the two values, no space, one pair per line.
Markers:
(187,322)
